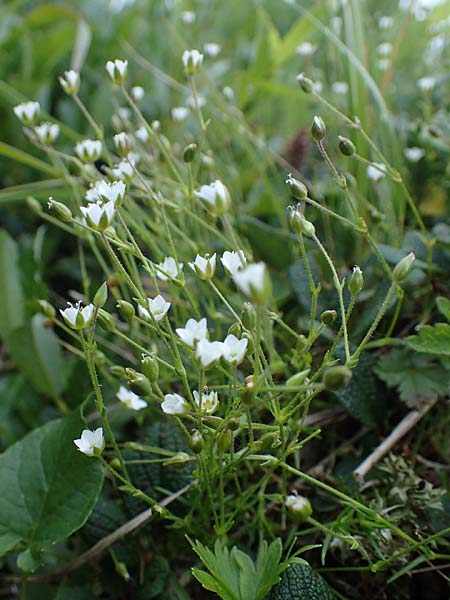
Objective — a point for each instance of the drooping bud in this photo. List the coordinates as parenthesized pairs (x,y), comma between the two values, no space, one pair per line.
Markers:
(305,83)
(337,377)
(61,210)
(346,146)
(106,320)
(126,310)
(299,506)
(101,296)
(356,283)
(404,267)
(150,367)
(298,189)
(189,153)
(328,317)
(138,382)
(318,129)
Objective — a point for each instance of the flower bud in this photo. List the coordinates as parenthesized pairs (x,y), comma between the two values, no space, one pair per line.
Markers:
(150,367)
(299,506)
(306,84)
(178,459)
(404,267)
(192,60)
(298,378)
(328,317)
(233,424)
(337,377)
(106,320)
(101,295)
(113,281)
(70,82)
(117,371)
(318,129)
(248,316)
(138,382)
(122,144)
(189,153)
(47,309)
(346,146)
(117,70)
(196,442)
(99,359)
(223,441)
(235,329)
(298,189)
(248,391)
(126,310)
(60,209)
(300,225)
(356,283)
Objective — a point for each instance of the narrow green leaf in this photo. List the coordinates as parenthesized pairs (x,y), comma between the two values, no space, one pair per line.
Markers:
(27,159)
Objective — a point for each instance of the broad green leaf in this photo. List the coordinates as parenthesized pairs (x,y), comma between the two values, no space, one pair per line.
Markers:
(432,339)
(12,304)
(299,582)
(443,305)
(48,487)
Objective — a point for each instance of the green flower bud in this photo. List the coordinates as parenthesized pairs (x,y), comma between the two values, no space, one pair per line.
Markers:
(318,129)
(328,317)
(233,424)
(223,441)
(189,153)
(196,442)
(298,378)
(150,367)
(298,189)
(106,320)
(47,309)
(61,210)
(404,267)
(305,83)
(178,459)
(99,359)
(122,144)
(117,371)
(337,377)
(248,391)
(126,310)
(300,225)
(356,283)
(346,146)
(138,382)
(101,296)
(248,316)
(235,329)
(299,506)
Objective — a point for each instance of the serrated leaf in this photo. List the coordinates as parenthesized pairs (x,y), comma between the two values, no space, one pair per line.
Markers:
(432,339)
(48,487)
(443,305)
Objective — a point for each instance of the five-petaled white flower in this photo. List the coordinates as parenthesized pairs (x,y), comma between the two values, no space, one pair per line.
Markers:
(216,196)
(137,93)
(208,352)
(340,87)
(192,59)
(89,150)
(99,215)
(77,317)
(233,262)
(130,399)
(117,70)
(193,331)
(254,282)
(107,192)
(414,154)
(208,403)
(70,82)
(179,113)
(212,49)
(168,269)
(306,49)
(188,16)
(142,134)
(157,307)
(123,171)
(204,266)
(376,171)
(47,132)
(233,350)
(91,443)
(426,83)
(27,112)
(174,404)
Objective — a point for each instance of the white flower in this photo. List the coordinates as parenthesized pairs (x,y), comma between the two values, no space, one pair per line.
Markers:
(212,49)
(47,132)
(157,307)
(168,269)
(426,83)
(193,331)
(385,22)
(91,443)
(98,215)
(130,399)
(188,16)
(340,87)
(77,317)
(122,143)
(27,112)
(107,192)
(179,113)
(142,134)
(174,404)
(305,49)
(117,70)
(376,171)
(383,64)
(208,352)
(204,266)
(209,401)
(123,171)
(70,82)
(317,87)
(253,282)
(414,154)
(137,93)
(216,196)
(89,150)
(234,349)
(192,60)
(384,49)
(195,101)
(233,262)
(228,93)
